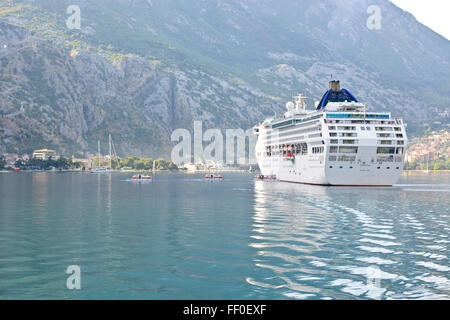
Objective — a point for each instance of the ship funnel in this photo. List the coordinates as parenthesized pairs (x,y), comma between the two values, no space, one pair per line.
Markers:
(334,85)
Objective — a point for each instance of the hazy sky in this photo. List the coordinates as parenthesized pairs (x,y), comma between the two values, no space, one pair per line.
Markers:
(432,13)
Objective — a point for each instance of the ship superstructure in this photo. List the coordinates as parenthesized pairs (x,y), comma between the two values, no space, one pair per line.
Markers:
(338,143)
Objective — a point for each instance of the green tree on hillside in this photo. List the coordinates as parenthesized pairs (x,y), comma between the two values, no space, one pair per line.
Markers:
(38,164)
(146,163)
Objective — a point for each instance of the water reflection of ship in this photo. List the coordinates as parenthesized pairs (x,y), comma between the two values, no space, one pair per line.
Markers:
(331,234)
(290,223)
(286,210)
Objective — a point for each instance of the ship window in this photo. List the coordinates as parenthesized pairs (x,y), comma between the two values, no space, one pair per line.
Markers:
(385,159)
(348,149)
(399,135)
(397,168)
(385,150)
(331,167)
(363,128)
(346,158)
(316,150)
(347,128)
(398,129)
(334,141)
(400,142)
(385,142)
(348,134)
(333,134)
(383,128)
(368,128)
(302,148)
(333,149)
(332,158)
(399,150)
(383,135)
(331,128)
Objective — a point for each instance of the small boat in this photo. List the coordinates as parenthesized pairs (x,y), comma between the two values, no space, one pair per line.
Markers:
(100,170)
(141,177)
(213,177)
(263,177)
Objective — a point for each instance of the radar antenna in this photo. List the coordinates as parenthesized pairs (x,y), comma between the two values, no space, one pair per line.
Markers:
(299,102)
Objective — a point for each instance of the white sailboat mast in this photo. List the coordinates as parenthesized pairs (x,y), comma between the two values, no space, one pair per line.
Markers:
(110,152)
(98,146)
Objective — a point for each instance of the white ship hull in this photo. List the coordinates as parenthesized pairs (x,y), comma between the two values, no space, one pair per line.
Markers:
(320,173)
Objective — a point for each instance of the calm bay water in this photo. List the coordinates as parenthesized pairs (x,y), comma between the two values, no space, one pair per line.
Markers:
(179,237)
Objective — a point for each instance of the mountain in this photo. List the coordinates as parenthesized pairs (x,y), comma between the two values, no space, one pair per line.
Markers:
(139,69)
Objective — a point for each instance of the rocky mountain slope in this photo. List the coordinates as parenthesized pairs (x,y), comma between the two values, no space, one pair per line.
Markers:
(139,69)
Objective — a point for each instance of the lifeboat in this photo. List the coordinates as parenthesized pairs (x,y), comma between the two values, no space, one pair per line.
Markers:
(289,156)
(263,177)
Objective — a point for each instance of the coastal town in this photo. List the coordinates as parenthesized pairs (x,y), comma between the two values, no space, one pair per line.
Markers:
(47,159)
(429,152)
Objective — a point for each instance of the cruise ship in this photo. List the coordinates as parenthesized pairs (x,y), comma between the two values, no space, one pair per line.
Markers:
(339,143)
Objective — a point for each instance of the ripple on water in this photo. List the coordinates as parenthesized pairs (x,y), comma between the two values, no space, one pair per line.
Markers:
(352,240)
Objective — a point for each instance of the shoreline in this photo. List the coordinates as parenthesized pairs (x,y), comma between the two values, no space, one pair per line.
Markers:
(186,172)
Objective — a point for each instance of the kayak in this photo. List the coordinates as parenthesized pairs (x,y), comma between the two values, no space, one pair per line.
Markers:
(139,177)
(213,177)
